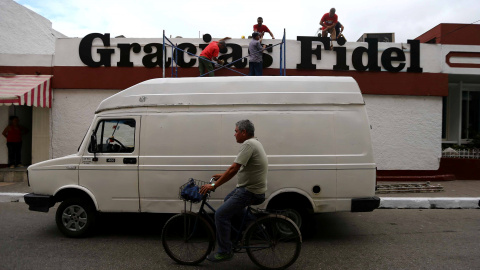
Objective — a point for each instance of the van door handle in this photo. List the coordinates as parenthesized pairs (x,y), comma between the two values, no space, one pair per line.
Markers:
(130,161)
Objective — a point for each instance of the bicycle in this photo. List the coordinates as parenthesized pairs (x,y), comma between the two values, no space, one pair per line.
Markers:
(272,241)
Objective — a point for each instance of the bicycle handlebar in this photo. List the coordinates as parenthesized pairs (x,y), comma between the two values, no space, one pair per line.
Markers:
(212,180)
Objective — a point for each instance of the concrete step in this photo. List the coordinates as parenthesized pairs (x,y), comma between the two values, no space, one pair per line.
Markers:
(13,175)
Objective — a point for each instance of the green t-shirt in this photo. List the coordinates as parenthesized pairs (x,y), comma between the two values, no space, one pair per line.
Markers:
(253,173)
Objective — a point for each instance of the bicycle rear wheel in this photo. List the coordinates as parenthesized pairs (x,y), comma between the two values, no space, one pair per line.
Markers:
(273,242)
(188,238)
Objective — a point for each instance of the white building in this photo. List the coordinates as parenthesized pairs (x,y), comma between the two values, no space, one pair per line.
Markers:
(27,46)
(405,85)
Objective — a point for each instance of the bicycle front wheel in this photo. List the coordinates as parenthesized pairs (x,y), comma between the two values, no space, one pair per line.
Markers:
(273,242)
(188,238)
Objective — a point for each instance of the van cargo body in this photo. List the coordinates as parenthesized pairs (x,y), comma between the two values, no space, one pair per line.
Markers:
(152,137)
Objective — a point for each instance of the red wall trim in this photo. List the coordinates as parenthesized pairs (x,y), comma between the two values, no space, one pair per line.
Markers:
(450,169)
(462,54)
(377,83)
(380,83)
(27,70)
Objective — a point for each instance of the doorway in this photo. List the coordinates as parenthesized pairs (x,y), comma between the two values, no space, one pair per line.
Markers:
(24,113)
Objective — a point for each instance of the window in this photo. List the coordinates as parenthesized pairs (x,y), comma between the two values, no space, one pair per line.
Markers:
(444,118)
(115,136)
(470,114)
(461,112)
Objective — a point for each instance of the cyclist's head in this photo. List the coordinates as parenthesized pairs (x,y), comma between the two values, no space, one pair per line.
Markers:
(247,126)
(244,130)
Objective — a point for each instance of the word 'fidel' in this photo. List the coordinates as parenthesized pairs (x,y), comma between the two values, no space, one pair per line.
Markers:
(388,56)
(392,59)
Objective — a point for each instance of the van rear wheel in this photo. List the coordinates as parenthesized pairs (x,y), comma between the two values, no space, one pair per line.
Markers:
(294,215)
(75,217)
(302,218)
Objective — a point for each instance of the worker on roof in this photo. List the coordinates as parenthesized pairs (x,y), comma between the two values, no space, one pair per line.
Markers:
(210,53)
(328,23)
(255,49)
(261,28)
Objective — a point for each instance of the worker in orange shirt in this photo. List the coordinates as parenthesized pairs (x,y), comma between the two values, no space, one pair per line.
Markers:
(210,53)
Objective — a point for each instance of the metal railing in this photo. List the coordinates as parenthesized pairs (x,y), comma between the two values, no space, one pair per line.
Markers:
(462,153)
(168,43)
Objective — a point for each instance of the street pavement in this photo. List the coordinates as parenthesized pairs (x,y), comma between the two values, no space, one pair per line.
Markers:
(382,239)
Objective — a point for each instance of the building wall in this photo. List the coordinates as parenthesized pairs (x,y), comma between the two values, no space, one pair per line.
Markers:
(406,131)
(40,134)
(24,31)
(72,114)
(452,33)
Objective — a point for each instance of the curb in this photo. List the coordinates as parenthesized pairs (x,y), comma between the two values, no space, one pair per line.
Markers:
(429,203)
(12,197)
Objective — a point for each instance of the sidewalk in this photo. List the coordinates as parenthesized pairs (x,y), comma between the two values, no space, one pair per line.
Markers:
(458,194)
(456,188)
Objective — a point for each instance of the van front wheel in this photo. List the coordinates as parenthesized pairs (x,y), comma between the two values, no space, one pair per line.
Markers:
(75,217)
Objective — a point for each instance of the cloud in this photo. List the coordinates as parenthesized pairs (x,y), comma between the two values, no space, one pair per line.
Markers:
(148,18)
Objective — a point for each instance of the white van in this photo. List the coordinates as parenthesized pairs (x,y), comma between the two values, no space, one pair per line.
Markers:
(148,140)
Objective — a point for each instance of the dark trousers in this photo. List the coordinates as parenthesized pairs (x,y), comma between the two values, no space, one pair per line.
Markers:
(255,69)
(14,153)
(234,204)
(205,66)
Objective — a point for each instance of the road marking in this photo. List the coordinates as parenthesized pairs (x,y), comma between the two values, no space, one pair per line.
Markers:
(11,197)
(429,203)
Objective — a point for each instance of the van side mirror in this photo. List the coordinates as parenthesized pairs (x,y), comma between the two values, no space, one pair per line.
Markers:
(94,146)
(93,143)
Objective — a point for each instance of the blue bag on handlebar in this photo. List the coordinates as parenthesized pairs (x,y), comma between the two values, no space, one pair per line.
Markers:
(191,192)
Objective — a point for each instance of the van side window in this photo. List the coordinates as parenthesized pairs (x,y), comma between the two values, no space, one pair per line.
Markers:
(115,136)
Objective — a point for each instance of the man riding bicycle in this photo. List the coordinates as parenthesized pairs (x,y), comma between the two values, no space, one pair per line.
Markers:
(251,164)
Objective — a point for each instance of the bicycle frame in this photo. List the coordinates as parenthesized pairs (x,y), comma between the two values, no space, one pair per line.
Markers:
(203,212)
(271,240)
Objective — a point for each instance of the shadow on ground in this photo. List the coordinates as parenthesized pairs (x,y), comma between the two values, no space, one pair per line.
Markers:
(327,226)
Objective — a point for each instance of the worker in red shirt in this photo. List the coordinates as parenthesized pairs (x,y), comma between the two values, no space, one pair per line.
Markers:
(261,28)
(13,132)
(328,22)
(210,53)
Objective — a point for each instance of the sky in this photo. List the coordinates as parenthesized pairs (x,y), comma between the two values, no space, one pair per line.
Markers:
(408,19)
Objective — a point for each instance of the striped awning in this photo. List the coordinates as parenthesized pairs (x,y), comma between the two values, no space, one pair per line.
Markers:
(30,90)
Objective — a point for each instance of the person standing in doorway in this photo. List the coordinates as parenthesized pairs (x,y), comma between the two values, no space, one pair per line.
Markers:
(13,132)
(262,28)
(255,49)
